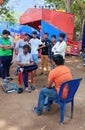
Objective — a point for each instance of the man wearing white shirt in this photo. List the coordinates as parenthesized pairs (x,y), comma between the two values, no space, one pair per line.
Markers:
(35,43)
(25,64)
(60,47)
(21,43)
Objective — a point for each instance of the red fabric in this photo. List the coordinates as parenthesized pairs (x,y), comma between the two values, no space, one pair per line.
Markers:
(61,20)
(20,78)
(31,15)
(31,74)
(73,47)
(1,2)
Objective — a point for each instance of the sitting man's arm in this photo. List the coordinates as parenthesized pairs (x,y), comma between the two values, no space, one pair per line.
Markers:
(19,61)
(20,64)
(49,84)
(51,79)
(23,64)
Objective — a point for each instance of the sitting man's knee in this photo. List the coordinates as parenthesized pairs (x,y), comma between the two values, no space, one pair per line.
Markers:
(43,89)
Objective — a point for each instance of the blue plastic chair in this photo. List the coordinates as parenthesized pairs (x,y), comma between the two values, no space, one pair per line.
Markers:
(72,88)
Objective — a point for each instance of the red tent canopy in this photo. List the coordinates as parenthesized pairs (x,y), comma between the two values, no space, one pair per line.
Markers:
(0,2)
(61,20)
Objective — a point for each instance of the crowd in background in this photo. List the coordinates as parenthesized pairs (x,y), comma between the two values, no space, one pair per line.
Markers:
(27,49)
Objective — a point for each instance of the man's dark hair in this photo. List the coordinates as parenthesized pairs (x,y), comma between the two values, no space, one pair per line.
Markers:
(46,34)
(58,59)
(28,47)
(5,32)
(62,35)
(34,32)
(54,36)
(27,34)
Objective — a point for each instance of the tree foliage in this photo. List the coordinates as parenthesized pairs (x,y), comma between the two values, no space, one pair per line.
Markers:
(76,7)
(5,13)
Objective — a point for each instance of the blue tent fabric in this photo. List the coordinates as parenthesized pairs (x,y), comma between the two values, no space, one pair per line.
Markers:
(17,28)
(51,30)
(29,30)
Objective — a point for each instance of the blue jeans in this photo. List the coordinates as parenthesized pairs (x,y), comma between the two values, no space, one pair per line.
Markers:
(35,58)
(44,96)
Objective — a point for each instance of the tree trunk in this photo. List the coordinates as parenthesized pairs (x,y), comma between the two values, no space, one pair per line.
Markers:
(68,4)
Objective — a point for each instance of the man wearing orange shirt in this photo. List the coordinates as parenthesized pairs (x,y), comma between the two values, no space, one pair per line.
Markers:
(57,76)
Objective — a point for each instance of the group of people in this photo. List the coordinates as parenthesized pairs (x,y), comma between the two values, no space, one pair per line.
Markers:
(27,60)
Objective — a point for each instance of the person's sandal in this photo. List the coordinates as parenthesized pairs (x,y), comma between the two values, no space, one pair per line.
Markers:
(20,90)
(28,90)
(34,109)
(32,88)
(9,78)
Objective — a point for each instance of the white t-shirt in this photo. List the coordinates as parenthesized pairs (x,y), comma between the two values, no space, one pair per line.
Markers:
(34,45)
(19,45)
(24,59)
(59,48)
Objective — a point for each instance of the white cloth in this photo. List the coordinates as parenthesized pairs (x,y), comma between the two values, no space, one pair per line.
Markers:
(24,59)
(59,48)
(19,45)
(34,45)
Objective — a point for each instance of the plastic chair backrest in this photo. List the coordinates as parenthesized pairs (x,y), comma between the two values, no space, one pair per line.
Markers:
(72,88)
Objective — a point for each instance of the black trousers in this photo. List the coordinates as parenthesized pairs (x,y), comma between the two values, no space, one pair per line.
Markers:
(25,73)
(5,66)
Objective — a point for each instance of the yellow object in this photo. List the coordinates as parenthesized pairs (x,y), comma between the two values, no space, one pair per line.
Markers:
(61,10)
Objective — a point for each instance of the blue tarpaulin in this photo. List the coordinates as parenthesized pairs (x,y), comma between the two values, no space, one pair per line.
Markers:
(17,28)
(28,29)
(51,30)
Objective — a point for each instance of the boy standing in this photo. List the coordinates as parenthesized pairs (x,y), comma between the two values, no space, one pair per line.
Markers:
(44,59)
(5,55)
(21,43)
(35,43)
(60,47)
(50,53)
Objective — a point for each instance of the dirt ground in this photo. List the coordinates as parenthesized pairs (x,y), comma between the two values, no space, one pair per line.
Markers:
(16,110)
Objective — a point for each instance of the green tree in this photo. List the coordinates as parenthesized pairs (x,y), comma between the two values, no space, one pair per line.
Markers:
(76,7)
(6,14)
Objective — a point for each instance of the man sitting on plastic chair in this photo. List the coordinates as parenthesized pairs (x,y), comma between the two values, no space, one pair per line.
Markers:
(25,64)
(57,76)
